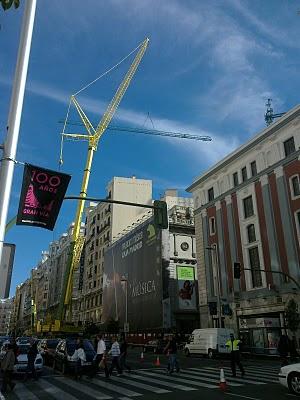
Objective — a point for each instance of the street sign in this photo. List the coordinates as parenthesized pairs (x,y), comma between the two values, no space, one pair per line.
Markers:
(126,327)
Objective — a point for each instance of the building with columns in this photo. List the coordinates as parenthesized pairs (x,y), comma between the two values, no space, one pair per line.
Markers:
(247,210)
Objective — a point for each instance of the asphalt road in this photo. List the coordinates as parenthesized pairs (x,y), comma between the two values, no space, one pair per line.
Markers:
(198,379)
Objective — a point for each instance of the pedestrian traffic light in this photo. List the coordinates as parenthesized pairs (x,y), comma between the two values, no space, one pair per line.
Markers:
(237,270)
(161,214)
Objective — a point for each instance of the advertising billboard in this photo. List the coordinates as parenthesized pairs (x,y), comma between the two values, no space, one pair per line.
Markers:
(133,276)
(42,193)
(186,287)
(6,267)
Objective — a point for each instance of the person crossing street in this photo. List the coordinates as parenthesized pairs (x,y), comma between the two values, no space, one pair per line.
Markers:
(234,347)
(115,355)
(101,355)
(123,355)
(171,350)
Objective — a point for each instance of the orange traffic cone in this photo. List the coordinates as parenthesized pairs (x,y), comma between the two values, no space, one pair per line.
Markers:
(142,356)
(223,385)
(157,362)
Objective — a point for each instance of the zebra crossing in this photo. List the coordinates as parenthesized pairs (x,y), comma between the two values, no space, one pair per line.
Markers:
(139,383)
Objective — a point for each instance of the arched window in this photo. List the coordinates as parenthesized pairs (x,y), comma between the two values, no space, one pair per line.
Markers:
(251,233)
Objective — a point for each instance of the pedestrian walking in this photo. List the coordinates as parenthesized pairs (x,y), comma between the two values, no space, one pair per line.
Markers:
(171,350)
(31,356)
(283,349)
(7,367)
(115,355)
(234,347)
(101,355)
(123,355)
(79,357)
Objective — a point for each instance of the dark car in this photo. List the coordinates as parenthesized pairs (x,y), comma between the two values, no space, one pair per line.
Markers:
(47,349)
(65,348)
(157,346)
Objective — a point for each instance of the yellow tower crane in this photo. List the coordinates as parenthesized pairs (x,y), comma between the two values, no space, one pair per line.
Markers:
(93,136)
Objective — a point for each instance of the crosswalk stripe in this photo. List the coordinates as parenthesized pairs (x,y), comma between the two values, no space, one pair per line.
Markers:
(114,388)
(140,385)
(162,383)
(252,375)
(216,374)
(55,390)
(262,371)
(177,379)
(185,374)
(23,393)
(83,388)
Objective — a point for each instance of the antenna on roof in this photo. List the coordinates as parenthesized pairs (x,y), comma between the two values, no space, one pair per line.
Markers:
(269,116)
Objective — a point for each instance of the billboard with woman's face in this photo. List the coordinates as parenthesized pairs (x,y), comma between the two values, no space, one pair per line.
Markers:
(186,287)
(132,269)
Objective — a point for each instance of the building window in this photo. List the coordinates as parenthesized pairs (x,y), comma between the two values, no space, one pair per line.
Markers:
(235,179)
(295,184)
(251,233)
(210,193)
(289,146)
(212,226)
(253,168)
(95,269)
(255,266)
(244,174)
(248,207)
(95,284)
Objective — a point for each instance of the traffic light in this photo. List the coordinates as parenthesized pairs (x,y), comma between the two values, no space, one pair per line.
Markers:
(237,270)
(161,214)
(212,306)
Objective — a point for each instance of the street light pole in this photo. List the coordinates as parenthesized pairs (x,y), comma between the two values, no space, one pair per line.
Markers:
(14,118)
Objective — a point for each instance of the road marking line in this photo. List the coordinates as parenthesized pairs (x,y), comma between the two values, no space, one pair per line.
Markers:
(177,379)
(231,379)
(163,383)
(260,377)
(211,379)
(46,386)
(140,385)
(83,389)
(23,393)
(113,388)
(244,397)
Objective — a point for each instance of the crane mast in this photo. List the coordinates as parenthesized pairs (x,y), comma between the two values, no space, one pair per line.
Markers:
(93,136)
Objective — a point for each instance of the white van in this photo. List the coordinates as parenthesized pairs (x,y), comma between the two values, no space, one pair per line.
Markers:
(210,342)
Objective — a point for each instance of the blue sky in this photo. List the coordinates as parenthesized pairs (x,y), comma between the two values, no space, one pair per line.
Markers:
(209,69)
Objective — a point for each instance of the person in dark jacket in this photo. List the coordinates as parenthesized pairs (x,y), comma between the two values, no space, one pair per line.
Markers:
(171,350)
(7,368)
(31,355)
(123,355)
(283,349)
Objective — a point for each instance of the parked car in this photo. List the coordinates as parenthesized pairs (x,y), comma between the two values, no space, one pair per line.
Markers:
(209,342)
(156,346)
(289,376)
(22,360)
(47,349)
(23,340)
(65,348)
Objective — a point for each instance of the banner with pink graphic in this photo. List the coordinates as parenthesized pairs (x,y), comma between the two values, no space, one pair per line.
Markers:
(42,193)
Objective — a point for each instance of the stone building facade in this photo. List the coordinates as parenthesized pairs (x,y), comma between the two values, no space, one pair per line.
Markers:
(247,210)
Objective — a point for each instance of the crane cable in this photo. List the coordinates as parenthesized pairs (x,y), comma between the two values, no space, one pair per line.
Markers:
(60,162)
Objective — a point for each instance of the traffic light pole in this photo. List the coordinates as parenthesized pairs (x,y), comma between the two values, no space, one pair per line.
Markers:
(274,272)
(159,207)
